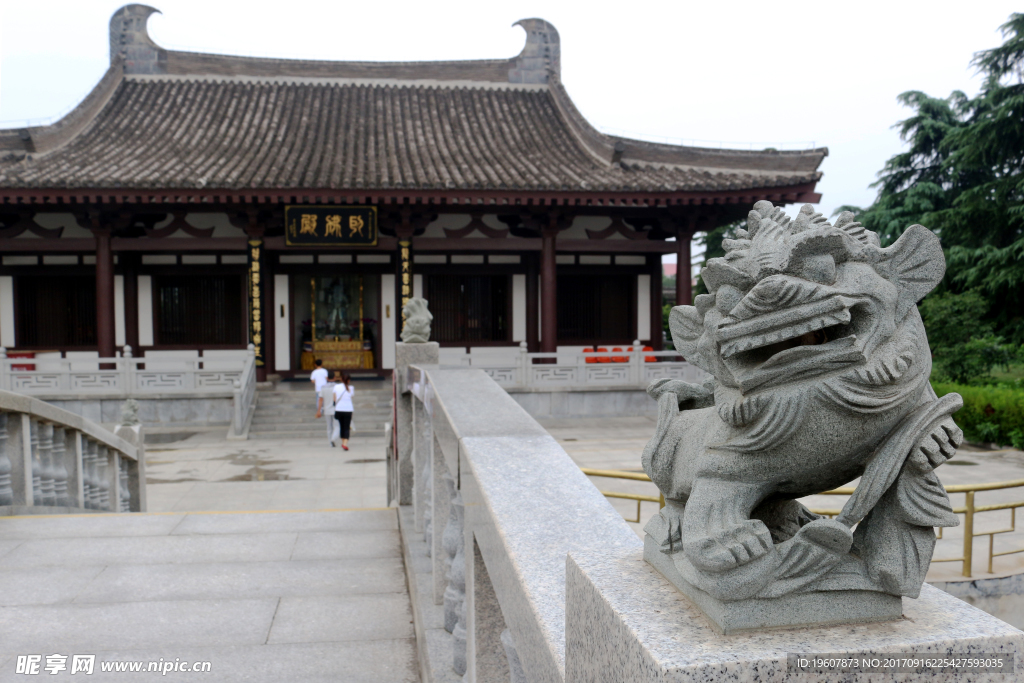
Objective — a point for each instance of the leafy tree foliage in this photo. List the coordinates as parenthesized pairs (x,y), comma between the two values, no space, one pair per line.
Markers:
(964,346)
(963,176)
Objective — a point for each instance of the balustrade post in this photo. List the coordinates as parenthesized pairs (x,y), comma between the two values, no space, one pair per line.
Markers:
(455,575)
(58,456)
(76,482)
(5,370)
(458,595)
(428,502)
(36,465)
(124,503)
(968,533)
(443,485)
(102,477)
(91,494)
(581,368)
(127,364)
(524,364)
(6,468)
(637,361)
(47,478)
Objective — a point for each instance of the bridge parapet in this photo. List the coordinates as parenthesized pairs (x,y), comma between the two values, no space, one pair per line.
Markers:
(53,461)
(500,505)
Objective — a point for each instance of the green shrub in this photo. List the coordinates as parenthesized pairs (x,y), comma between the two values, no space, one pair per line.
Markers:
(989,413)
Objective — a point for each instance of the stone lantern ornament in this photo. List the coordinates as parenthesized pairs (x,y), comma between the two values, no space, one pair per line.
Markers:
(820,367)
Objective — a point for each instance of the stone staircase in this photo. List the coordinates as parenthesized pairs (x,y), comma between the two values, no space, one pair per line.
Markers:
(288,411)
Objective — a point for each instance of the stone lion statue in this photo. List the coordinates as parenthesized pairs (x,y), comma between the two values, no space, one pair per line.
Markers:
(416,329)
(819,369)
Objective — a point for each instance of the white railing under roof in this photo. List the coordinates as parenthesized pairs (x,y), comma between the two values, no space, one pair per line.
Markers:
(153,376)
(607,369)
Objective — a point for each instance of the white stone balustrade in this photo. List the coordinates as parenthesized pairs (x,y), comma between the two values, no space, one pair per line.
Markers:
(52,460)
(636,368)
(151,377)
(506,505)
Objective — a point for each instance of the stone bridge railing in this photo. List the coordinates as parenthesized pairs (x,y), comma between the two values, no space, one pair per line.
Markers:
(627,367)
(152,377)
(541,580)
(54,461)
(500,505)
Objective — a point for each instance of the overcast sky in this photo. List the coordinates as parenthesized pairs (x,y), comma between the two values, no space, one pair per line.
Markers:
(779,74)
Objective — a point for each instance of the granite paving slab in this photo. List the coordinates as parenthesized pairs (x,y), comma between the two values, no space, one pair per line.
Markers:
(213,587)
(126,583)
(332,618)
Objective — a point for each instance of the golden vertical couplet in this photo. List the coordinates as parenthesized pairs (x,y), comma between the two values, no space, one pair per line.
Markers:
(256,299)
(405,259)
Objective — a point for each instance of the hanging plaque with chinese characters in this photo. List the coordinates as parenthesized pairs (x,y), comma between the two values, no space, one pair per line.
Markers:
(330,226)
(256,287)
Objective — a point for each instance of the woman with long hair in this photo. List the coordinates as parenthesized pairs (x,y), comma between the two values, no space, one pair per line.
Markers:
(343,407)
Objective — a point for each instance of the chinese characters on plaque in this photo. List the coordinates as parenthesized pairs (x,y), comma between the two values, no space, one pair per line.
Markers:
(331,226)
(256,298)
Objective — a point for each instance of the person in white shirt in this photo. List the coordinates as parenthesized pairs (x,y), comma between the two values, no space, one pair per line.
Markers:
(343,407)
(319,379)
(325,409)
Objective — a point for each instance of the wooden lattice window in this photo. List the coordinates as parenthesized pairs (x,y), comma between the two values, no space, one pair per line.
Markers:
(199,310)
(596,309)
(55,311)
(469,308)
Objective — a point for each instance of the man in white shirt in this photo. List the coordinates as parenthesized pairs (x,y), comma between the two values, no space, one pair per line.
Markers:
(319,379)
(325,408)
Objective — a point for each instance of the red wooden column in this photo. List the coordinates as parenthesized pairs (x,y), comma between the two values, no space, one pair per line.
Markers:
(532,327)
(548,287)
(684,288)
(104,293)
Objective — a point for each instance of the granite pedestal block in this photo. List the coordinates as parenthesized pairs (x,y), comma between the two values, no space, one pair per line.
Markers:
(626,622)
(818,608)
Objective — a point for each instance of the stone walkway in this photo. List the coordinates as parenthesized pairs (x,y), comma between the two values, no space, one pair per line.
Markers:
(305,596)
(206,472)
(217,572)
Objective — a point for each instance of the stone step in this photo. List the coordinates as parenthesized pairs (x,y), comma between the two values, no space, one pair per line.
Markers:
(298,408)
(311,419)
(265,436)
(311,428)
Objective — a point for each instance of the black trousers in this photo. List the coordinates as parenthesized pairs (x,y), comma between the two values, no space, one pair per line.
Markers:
(345,420)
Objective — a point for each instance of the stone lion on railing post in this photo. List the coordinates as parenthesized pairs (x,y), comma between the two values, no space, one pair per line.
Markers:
(416,329)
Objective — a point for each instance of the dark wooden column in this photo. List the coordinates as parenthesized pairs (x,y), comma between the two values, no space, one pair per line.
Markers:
(655,269)
(104,293)
(548,287)
(684,288)
(532,301)
(130,267)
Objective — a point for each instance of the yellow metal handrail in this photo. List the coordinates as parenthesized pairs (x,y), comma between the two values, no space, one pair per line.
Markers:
(969,510)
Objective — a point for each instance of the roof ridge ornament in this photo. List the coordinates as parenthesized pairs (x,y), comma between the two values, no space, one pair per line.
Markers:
(130,41)
(541,56)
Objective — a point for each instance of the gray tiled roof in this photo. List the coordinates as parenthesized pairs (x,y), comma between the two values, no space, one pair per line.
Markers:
(163,119)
